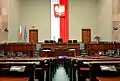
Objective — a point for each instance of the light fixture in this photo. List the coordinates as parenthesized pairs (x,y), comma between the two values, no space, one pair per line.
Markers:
(6,30)
(115,28)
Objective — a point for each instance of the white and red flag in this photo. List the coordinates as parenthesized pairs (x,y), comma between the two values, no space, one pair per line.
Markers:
(20,33)
(59,20)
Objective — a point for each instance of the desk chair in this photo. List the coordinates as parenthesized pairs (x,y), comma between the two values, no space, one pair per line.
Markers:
(74,41)
(51,41)
(69,41)
(37,50)
(39,70)
(46,41)
(47,69)
(83,49)
(83,71)
(60,40)
(83,52)
(75,68)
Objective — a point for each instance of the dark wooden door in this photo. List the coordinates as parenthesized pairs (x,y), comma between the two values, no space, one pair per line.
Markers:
(86,35)
(33,36)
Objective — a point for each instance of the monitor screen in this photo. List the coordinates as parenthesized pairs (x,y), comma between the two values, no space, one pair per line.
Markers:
(108,68)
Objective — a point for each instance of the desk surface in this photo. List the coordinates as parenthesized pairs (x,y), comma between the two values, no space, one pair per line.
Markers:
(77,58)
(108,78)
(102,62)
(26,58)
(25,63)
(96,58)
(14,78)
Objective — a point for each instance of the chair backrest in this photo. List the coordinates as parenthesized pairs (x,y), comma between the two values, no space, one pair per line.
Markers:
(60,40)
(82,46)
(51,41)
(38,47)
(82,49)
(46,41)
(74,41)
(69,41)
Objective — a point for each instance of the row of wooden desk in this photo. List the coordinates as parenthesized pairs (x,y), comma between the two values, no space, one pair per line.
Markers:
(91,66)
(35,67)
(90,48)
(93,48)
(80,61)
(32,65)
(8,71)
(30,48)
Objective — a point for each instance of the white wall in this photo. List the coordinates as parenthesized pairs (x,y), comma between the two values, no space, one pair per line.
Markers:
(104,21)
(3,20)
(36,12)
(93,14)
(13,20)
(83,14)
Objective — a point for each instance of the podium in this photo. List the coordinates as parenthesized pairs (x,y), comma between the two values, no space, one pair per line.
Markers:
(33,36)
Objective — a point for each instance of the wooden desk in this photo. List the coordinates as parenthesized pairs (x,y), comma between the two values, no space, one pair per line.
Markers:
(64,45)
(89,59)
(95,71)
(19,63)
(108,78)
(29,70)
(28,47)
(17,47)
(14,79)
(61,47)
(93,48)
(24,59)
(102,62)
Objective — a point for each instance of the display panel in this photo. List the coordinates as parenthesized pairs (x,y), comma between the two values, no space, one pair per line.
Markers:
(18,68)
(108,67)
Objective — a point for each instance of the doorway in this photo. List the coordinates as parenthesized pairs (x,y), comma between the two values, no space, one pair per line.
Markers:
(86,35)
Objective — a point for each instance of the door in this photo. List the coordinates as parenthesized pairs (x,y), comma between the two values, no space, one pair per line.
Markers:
(86,35)
(33,36)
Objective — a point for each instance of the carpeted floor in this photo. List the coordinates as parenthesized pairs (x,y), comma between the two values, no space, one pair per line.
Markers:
(60,75)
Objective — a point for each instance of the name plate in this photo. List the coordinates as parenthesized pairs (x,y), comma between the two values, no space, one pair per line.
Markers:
(18,68)
(108,68)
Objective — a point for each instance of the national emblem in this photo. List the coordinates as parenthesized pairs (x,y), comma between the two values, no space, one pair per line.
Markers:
(59,10)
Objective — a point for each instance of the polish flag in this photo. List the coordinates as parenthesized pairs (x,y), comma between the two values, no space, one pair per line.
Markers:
(20,33)
(59,20)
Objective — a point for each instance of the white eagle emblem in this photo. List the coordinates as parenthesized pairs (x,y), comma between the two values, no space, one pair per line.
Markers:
(60,9)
